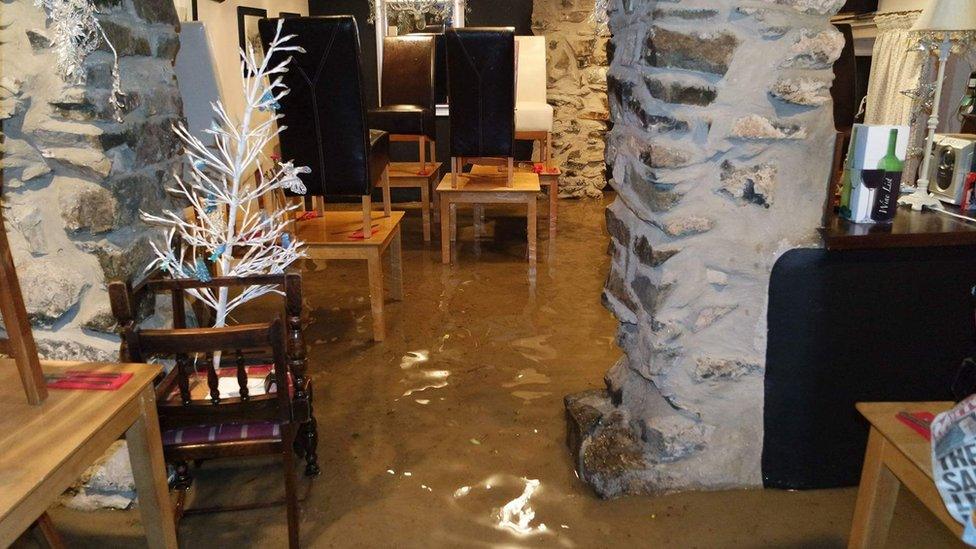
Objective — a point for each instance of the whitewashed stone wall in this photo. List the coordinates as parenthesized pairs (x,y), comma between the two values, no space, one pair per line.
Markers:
(720,150)
(577,82)
(73,178)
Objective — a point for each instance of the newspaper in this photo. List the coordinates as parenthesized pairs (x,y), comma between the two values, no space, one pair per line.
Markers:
(954,463)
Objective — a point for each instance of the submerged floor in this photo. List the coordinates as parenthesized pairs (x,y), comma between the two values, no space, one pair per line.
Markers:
(426,436)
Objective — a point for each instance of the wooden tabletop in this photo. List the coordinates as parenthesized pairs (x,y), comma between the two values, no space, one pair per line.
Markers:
(488,179)
(882,416)
(337,228)
(411,170)
(36,441)
(910,229)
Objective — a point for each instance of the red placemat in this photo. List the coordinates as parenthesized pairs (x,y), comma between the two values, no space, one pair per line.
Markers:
(87,380)
(920,422)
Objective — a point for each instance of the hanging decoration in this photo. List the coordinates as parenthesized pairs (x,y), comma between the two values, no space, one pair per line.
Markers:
(411,12)
(230,234)
(77,33)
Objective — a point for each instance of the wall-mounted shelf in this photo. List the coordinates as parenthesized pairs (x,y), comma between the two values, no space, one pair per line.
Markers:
(910,229)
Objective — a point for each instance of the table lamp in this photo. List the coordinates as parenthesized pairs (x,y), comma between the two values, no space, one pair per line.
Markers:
(943,25)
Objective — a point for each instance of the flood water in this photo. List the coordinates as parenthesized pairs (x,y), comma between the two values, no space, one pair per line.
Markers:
(451,433)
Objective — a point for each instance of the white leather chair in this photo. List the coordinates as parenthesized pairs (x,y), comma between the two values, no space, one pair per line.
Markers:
(533,115)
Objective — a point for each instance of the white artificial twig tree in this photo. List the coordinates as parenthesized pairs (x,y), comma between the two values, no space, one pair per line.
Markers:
(229,230)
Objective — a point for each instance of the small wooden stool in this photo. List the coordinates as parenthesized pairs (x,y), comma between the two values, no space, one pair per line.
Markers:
(411,175)
(486,188)
(896,456)
(331,236)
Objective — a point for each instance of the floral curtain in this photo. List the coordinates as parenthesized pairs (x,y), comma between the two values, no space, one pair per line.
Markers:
(893,69)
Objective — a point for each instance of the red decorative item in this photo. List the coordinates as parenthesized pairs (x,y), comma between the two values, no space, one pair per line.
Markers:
(423,172)
(308,215)
(87,380)
(538,168)
(920,422)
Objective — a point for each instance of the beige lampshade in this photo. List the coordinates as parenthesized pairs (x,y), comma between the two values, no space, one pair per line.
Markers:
(947,15)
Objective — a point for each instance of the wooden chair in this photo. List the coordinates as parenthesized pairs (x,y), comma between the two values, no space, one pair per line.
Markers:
(199,420)
(20,345)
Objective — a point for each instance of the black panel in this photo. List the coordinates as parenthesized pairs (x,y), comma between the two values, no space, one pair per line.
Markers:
(501,13)
(866,325)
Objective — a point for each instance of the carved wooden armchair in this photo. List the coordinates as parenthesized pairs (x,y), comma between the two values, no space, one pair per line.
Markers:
(236,409)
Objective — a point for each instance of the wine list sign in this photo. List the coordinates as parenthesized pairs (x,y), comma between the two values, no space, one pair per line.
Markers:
(873,173)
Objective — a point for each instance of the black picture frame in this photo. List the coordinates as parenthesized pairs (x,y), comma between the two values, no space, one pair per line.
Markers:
(244,14)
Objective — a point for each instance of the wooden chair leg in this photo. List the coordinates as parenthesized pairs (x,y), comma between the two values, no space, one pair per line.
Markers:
(423,154)
(511,172)
(454,172)
(433,152)
(291,491)
(310,445)
(367,217)
(50,534)
(387,211)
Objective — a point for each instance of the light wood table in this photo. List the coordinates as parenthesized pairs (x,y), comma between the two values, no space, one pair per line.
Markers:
(408,175)
(896,456)
(45,448)
(486,187)
(330,236)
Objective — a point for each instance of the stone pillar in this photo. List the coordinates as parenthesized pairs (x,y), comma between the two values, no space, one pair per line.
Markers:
(720,151)
(74,179)
(577,86)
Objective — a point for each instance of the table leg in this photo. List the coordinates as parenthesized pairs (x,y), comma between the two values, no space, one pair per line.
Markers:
(445,231)
(425,209)
(454,226)
(876,497)
(374,265)
(149,472)
(479,219)
(437,202)
(553,206)
(396,267)
(532,222)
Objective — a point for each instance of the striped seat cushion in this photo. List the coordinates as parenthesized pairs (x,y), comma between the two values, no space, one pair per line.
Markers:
(226,432)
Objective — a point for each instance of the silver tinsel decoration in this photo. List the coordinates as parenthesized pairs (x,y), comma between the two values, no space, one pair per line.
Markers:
(416,10)
(77,33)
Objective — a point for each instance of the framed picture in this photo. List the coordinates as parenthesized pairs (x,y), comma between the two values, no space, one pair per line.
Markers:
(247,31)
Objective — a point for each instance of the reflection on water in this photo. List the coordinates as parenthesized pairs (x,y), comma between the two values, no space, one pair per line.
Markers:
(535,348)
(530,395)
(527,377)
(517,516)
(413,358)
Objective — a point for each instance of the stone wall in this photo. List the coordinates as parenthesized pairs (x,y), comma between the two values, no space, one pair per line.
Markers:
(720,150)
(74,179)
(577,74)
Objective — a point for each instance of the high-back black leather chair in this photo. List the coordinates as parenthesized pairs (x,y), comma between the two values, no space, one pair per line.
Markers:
(325,111)
(407,110)
(440,61)
(481,85)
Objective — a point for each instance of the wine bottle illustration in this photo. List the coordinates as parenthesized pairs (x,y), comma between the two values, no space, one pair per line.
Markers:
(886,198)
